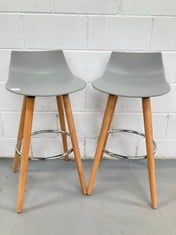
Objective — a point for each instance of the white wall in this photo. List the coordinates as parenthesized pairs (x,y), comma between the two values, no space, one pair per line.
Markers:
(88,30)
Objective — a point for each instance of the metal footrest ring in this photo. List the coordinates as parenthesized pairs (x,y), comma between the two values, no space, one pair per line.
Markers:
(60,155)
(116,155)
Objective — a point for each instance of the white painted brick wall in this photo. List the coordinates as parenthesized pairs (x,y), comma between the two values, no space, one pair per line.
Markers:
(87,6)
(119,33)
(150,7)
(11,31)
(26,6)
(87,31)
(164,34)
(54,31)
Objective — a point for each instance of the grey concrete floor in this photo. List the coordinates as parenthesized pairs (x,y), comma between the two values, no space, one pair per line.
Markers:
(120,203)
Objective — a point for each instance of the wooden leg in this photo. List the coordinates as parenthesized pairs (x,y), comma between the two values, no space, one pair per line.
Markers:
(60,107)
(25,151)
(149,146)
(74,141)
(20,134)
(110,121)
(108,115)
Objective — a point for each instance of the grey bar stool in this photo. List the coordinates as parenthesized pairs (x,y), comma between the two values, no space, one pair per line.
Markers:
(42,73)
(131,75)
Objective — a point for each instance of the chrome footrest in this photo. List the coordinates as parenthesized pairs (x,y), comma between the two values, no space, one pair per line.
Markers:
(120,156)
(60,155)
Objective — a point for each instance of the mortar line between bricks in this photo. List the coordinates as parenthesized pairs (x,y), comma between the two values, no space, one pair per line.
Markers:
(22,31)
(87,31)
(82,49)
(53,7)
(122,15)
(167,125)
(151,35)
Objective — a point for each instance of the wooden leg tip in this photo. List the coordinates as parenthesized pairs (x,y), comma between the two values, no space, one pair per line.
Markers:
(66,158)
(89,192)
(154,206)
(19,210)
(84,192)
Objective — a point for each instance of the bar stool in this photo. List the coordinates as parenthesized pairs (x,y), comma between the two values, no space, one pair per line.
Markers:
(132,75)
(42,73)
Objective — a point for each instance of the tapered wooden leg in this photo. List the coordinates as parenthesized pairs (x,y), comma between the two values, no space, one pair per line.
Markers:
(108,115)
(149,146)
(74,141)
(20,134)
(62,123)
(110,121)
(25,151)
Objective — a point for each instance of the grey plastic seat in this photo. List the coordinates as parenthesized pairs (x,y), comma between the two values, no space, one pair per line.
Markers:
(131,75)
(43,73)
